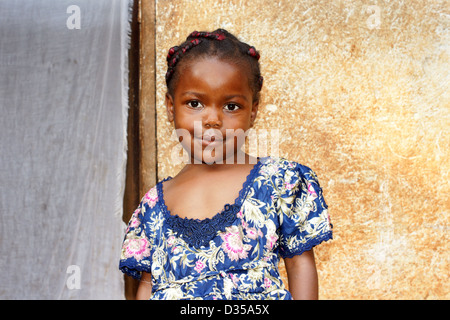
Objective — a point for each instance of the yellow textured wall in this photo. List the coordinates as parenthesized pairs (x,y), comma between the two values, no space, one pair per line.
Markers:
(360,92)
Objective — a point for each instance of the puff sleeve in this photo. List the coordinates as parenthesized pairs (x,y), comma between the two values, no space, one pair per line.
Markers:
(137,245)
(304,219)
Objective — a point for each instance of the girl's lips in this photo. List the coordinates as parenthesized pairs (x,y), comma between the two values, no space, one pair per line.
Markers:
(209,140)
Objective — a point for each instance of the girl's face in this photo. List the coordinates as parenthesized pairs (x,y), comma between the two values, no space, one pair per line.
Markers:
(212,107)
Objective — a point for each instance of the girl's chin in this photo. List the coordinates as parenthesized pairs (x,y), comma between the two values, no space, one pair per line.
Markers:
(215,152)
(208,157)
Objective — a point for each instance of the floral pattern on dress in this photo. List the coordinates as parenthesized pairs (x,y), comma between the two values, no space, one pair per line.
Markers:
(280,212)
(136,247)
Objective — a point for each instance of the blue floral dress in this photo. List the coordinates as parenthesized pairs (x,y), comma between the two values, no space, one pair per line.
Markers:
(280,212)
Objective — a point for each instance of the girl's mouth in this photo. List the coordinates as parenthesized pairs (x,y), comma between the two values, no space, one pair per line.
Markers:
(207,140)
(210,137)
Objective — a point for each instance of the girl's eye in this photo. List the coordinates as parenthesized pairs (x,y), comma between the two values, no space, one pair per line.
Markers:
(194,104)
(231,107)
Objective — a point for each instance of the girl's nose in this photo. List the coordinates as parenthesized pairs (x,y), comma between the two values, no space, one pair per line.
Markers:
(212,119)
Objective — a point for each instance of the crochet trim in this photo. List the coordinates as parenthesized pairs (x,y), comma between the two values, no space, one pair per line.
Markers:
(199,232)
(134,270)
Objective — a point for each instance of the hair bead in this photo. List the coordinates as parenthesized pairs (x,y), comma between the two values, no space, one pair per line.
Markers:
(252,52)
(220,36)
(172,51)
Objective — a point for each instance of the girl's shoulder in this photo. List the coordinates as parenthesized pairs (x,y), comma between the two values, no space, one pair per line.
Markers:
(149,204)
(291,178)
(288,175)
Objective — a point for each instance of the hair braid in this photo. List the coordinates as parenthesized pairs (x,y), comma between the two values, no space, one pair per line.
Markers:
(174,56)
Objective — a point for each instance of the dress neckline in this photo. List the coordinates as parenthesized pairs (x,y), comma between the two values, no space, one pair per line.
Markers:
(226,208)
(199,232)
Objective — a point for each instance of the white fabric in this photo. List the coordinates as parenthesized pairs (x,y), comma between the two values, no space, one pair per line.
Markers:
(63,103)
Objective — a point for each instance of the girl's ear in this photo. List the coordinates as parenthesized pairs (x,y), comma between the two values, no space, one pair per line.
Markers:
(254,112)
(169,107)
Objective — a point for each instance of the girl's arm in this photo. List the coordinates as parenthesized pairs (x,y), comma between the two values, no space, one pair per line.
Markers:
(302,276)
(144,290)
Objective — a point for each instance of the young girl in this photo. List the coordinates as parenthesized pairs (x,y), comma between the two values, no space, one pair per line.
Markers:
(218,229)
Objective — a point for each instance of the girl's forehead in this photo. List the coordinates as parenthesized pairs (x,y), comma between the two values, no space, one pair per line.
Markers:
(213,63)
(214,73)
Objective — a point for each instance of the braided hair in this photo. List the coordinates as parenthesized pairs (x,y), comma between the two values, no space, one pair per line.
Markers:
(221,44)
